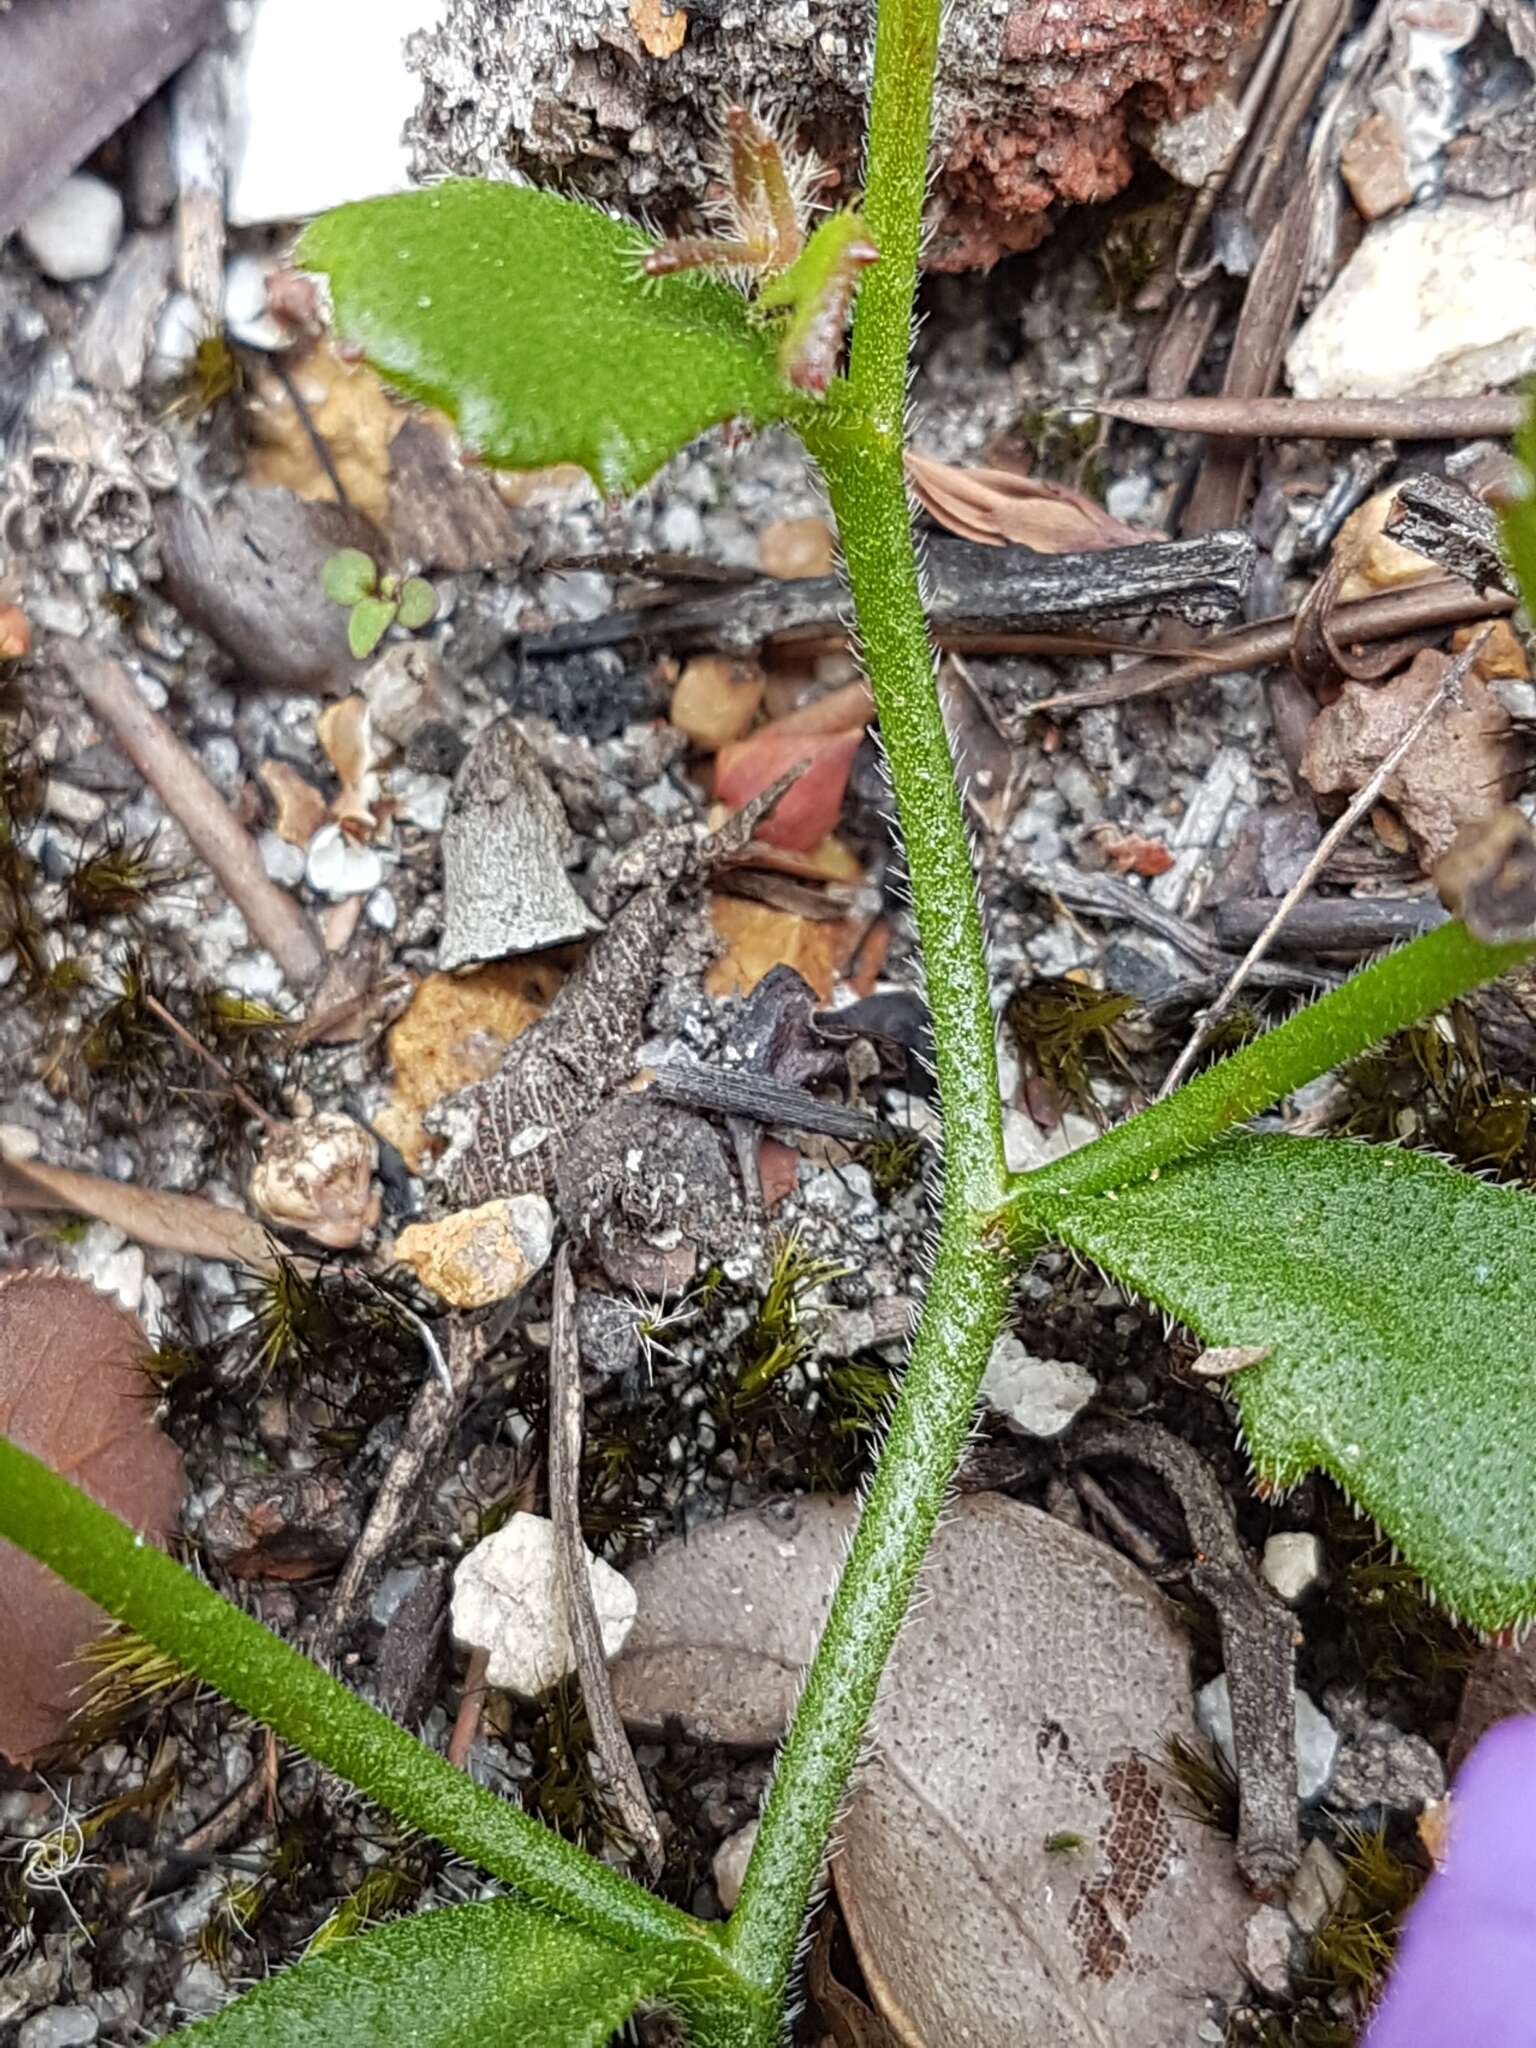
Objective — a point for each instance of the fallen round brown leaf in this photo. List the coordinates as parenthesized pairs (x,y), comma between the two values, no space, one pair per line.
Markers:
(72,1394)
(1012,1860)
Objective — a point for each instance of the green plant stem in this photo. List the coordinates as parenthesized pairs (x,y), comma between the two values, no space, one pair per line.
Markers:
(859,447)
(148,1592)
(962,1313)
(1395,992)
(896,175)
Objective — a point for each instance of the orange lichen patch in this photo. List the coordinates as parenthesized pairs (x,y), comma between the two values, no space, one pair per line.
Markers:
(456,1030)
(756,938)
(661,33)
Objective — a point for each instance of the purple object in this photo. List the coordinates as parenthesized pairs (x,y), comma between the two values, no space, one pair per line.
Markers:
(1465,1975)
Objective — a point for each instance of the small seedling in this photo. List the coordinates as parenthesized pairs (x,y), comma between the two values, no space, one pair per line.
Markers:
(376,602)
(776,1339)
(1205,1788)
(127,1675)
(1066,1033)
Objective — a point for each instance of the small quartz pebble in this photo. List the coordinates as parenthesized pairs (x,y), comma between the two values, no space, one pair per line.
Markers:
(730,1864)
(1319,1887)
(1194,148)
(1374,165)
(245,303)
(507,1602)
(482,1255)
(338,867)
(716,699)
(1293,1564)
(76,233)
(60,2026)
(1439,299)
(1317,1740)
(793,548)
(1039,1396)
(316,1175)
(1268,1950)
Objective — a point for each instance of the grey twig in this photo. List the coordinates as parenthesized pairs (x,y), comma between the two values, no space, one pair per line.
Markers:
(1454,527)
(1258,1638)
(1395,612)
(1108,897)
(1331,924)
(427,1429)
(982,591)
(217,835)
(1334,419)
(745,1091)
(1359,804)
(565,1430)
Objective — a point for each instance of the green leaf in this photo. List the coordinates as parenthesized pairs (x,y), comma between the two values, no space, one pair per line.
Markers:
(525,317)
(370,621)
(349,575)
(1400,1299)
(500,1975)
(418,603)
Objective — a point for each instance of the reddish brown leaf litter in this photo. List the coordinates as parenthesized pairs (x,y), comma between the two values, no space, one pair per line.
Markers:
(71,1393)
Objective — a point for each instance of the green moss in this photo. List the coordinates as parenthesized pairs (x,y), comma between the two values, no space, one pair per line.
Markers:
(1205,1789)
(1067,1034)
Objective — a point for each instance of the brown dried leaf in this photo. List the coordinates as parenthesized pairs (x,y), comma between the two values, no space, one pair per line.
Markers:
(168,1223)
(756,938)
(805,814)
(300,810)
(72,1395)
(1026,1698)
(1000,508)
(1455,776)
(345,731)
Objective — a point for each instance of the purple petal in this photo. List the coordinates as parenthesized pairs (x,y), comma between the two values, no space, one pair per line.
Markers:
(1465,1975)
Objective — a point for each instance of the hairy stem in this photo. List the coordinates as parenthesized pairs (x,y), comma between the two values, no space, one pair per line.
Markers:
(961,1316)
(859,448)
(1398,991)
(145,1590)
(896,174)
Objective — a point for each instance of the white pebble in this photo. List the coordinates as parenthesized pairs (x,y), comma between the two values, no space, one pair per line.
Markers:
(76,233)
(1441,298)
(507,1602)
(381,910)
(1293,1564)
(1038,1396)
(245,303)
(339,867)
(283,861)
